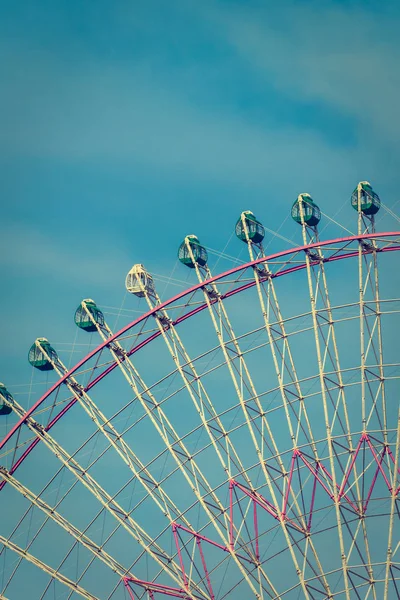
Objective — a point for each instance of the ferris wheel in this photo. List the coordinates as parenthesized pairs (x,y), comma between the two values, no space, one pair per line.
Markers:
(238,440)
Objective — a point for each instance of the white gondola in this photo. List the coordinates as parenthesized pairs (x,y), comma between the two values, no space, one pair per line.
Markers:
(139,282)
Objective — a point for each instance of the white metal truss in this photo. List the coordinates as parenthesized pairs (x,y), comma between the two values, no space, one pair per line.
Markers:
(371,344)
(55,516)
(163,559)
(47,569)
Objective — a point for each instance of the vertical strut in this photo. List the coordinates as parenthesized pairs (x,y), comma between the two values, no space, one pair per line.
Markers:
(312,232)
(370,337)
(332,353)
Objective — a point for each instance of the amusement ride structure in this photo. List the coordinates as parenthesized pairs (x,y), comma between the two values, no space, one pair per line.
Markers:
(239,440)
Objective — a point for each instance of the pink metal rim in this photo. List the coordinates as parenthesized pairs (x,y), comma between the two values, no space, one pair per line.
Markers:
(191,313)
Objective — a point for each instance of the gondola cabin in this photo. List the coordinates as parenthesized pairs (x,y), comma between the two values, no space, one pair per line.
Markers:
(5,409)
(248,228)
(139,282)
(191,252)
(39,353)
(366,199)
(87,315)
(305,210)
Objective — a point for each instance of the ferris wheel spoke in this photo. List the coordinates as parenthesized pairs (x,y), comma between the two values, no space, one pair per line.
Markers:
(373,379)
(107,424)
(266,476)
(395,473)
(116,439)
(370,334)
(373,383)
(334,248)
(305,208)
(5,475)
(47,569)
(332,357)
(226,452)
(209,499)
(153,409)
(79,577)
(395,480)
(249,230)
(331,361)
(242,381)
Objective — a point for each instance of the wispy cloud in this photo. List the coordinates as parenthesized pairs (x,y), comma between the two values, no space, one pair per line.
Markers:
(85,260)
(126,116)
(130,113)
(342,55)
(167,105)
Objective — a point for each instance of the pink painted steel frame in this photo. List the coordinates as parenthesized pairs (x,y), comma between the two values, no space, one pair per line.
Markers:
(259,501)
(154,588)
(199,538)
(29,412)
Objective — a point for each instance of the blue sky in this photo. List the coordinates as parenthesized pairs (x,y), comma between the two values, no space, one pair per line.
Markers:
(126,125)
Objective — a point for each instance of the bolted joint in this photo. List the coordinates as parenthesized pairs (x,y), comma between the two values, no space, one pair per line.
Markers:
(163,318)
(211,292)
(77,387)
(38,427)
(314,256)
(118,350)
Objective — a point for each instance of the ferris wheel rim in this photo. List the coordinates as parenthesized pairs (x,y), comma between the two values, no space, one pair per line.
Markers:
(394,247)
(165,304)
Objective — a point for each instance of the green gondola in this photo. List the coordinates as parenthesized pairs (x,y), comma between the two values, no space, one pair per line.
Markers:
(370,202)
(255,230)
(38,359)
(5,409)
(306,205)
(82,318)
(198,251)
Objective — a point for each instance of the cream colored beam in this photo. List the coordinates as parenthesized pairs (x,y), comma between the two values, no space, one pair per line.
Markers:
(164,560)
(319,353)
(287,366)
(47,569)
